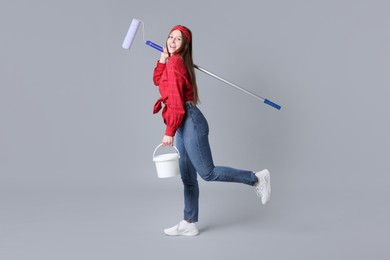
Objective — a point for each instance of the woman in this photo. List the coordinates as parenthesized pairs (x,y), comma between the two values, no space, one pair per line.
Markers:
(175,77)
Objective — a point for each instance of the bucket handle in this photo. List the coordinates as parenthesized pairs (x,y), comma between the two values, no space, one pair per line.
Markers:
(155,150)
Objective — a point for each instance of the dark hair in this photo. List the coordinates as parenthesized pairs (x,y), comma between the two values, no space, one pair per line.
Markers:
(185,52)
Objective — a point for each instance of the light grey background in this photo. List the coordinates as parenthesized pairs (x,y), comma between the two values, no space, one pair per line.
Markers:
(77,131)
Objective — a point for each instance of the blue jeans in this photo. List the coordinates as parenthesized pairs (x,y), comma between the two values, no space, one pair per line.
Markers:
(195,157)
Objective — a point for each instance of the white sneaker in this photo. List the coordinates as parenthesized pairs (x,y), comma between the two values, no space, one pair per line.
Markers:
(263,186)
(182,229)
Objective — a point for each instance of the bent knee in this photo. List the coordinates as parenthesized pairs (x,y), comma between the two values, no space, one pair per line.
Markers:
(210,176)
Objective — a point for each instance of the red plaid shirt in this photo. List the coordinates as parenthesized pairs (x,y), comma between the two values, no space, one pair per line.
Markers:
(175,88)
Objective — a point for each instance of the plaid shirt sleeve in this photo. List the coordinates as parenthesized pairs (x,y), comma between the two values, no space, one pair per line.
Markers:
(158,71)
(173,94)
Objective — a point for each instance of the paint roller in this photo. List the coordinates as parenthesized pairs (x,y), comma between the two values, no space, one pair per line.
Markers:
(130,38)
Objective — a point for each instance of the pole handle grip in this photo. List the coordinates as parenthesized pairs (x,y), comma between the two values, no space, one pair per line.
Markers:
(153,45)
(272,104)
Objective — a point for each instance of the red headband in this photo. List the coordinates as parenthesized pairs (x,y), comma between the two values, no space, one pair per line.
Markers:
(183,30)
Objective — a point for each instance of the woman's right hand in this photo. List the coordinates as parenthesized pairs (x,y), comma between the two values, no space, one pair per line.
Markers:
(167,140)
(164,56)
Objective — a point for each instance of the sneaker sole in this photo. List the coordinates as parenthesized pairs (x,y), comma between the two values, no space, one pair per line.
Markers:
(192,233)
(267,180)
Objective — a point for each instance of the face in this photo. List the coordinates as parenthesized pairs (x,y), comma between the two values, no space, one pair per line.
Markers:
(174,42)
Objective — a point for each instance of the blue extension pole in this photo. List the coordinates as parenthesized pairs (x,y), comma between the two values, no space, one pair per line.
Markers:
(264,100)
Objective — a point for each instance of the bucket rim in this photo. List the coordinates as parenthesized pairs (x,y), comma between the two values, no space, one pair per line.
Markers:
(166,157)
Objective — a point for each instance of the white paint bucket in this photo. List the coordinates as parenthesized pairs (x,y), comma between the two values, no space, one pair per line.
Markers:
(167,165)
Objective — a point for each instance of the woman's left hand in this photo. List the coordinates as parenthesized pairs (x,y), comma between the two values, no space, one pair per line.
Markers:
(167,140)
